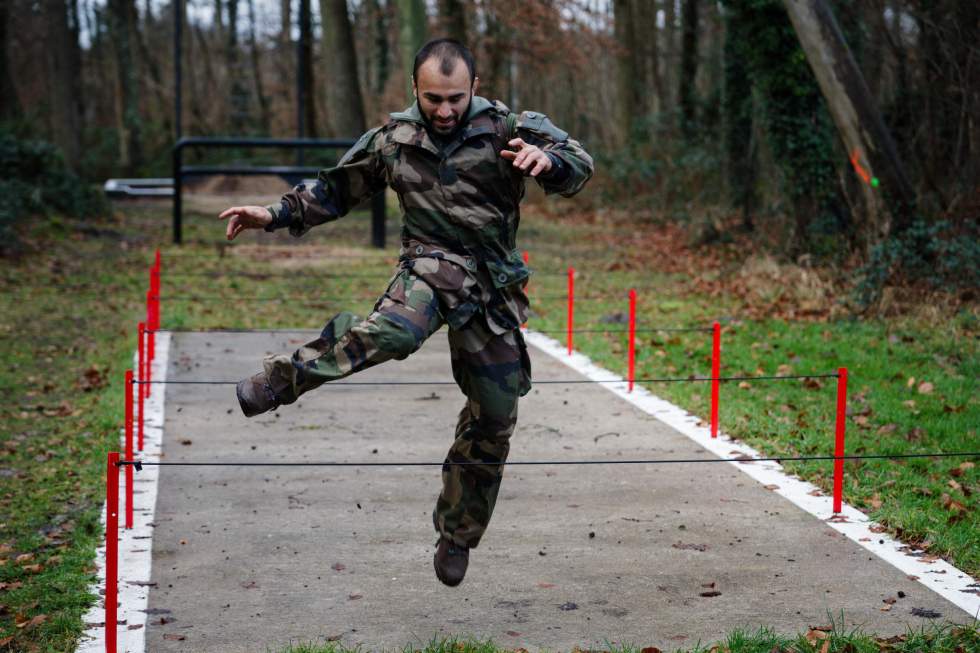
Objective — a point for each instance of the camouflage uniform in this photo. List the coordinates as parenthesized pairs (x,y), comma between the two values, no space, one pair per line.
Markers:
(459,265)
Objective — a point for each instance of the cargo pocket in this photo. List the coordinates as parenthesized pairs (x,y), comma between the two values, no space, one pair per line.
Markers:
(508,271)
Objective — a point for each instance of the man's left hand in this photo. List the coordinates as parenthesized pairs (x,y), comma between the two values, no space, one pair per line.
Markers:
(529,159)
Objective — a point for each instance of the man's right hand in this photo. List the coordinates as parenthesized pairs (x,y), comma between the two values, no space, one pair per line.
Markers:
(241,218)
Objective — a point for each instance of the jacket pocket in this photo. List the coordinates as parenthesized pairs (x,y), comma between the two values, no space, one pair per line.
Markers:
(508,271)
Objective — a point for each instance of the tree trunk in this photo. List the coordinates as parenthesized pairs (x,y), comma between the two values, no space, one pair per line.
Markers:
(411,36)
(307,96)
(647,32)
(858,122)
(686,91)
(452,15)
(379,59)
(496,81)
(628,80)
(239,96)
(285,24)
(10,107)
(63,77)
(737,112)
(122,25)
(265,120)
(670,53)
(345,108)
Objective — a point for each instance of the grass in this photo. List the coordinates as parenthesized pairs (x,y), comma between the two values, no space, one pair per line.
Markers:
(69,307)
(927,639)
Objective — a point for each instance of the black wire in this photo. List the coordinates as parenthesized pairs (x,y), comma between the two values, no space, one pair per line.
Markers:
(954,454)
(694,379)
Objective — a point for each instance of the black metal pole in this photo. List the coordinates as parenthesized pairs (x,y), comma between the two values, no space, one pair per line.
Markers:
(178,187)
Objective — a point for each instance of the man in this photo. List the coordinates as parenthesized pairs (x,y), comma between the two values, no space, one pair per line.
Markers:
(457,163)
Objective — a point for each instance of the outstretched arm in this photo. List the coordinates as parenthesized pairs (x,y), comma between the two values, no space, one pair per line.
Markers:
(359,174)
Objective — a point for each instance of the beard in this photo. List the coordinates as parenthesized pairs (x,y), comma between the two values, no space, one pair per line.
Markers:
(450,129)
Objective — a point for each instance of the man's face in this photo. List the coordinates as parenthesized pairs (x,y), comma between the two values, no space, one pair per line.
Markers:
(444,99)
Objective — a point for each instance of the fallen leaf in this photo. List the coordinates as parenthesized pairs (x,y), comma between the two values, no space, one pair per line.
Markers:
(925,388)
(889,600)
(650,649)
(745,385)
(337,566)
(174,637)
(710,594)
(33,569)
(355,597)
(875,501)
(887,429)
(953,484)
(771,486)
(546,586)
(512,633)
(815,634)
(24,557)
(186,442)
(910,383)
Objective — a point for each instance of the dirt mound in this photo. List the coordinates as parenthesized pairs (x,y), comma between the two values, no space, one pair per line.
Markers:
(237,184)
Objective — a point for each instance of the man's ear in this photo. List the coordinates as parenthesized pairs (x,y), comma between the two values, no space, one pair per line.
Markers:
(415,89)
(476,85)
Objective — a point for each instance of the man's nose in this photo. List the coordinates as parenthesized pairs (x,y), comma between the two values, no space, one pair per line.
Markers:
(444,111)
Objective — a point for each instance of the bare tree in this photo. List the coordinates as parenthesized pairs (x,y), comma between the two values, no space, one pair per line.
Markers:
(265,120)
(122,27)
(452,15)
(10,107)
(345,108)
(686,90)
(413,29)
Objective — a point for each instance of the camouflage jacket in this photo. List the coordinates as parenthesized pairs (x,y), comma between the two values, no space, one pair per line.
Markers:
(460,202)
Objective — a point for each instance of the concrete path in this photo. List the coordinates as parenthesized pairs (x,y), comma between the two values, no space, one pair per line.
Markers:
(253,558)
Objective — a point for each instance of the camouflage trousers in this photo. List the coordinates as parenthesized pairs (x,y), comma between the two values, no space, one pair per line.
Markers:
(492,370)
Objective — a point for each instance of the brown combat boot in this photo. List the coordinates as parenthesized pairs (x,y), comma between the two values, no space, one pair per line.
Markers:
(255,395)
(450,562)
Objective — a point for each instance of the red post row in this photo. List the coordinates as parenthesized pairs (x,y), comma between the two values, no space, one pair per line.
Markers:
(632,337)
(571,307)
(715,374)
(839,439)
(141,347)
(129,447)
(111,550)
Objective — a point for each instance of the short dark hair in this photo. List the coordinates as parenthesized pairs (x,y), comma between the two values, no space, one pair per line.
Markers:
(449,51)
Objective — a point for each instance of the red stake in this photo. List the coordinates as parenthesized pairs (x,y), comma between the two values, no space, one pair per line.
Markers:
(149,341)
(141,345)
(715,373)
(571,306)
(632,336)
(839,444)
(129,448)
(156,260)
(111,549)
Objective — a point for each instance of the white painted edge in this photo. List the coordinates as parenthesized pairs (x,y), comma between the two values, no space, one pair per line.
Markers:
(954,585)
(135,545)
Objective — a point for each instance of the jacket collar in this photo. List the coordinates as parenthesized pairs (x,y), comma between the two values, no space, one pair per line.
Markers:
(416,133)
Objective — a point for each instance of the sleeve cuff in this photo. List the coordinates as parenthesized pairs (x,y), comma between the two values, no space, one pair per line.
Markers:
(559,171)
(281,216)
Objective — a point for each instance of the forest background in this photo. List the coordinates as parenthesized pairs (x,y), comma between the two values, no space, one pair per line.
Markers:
(702,113)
